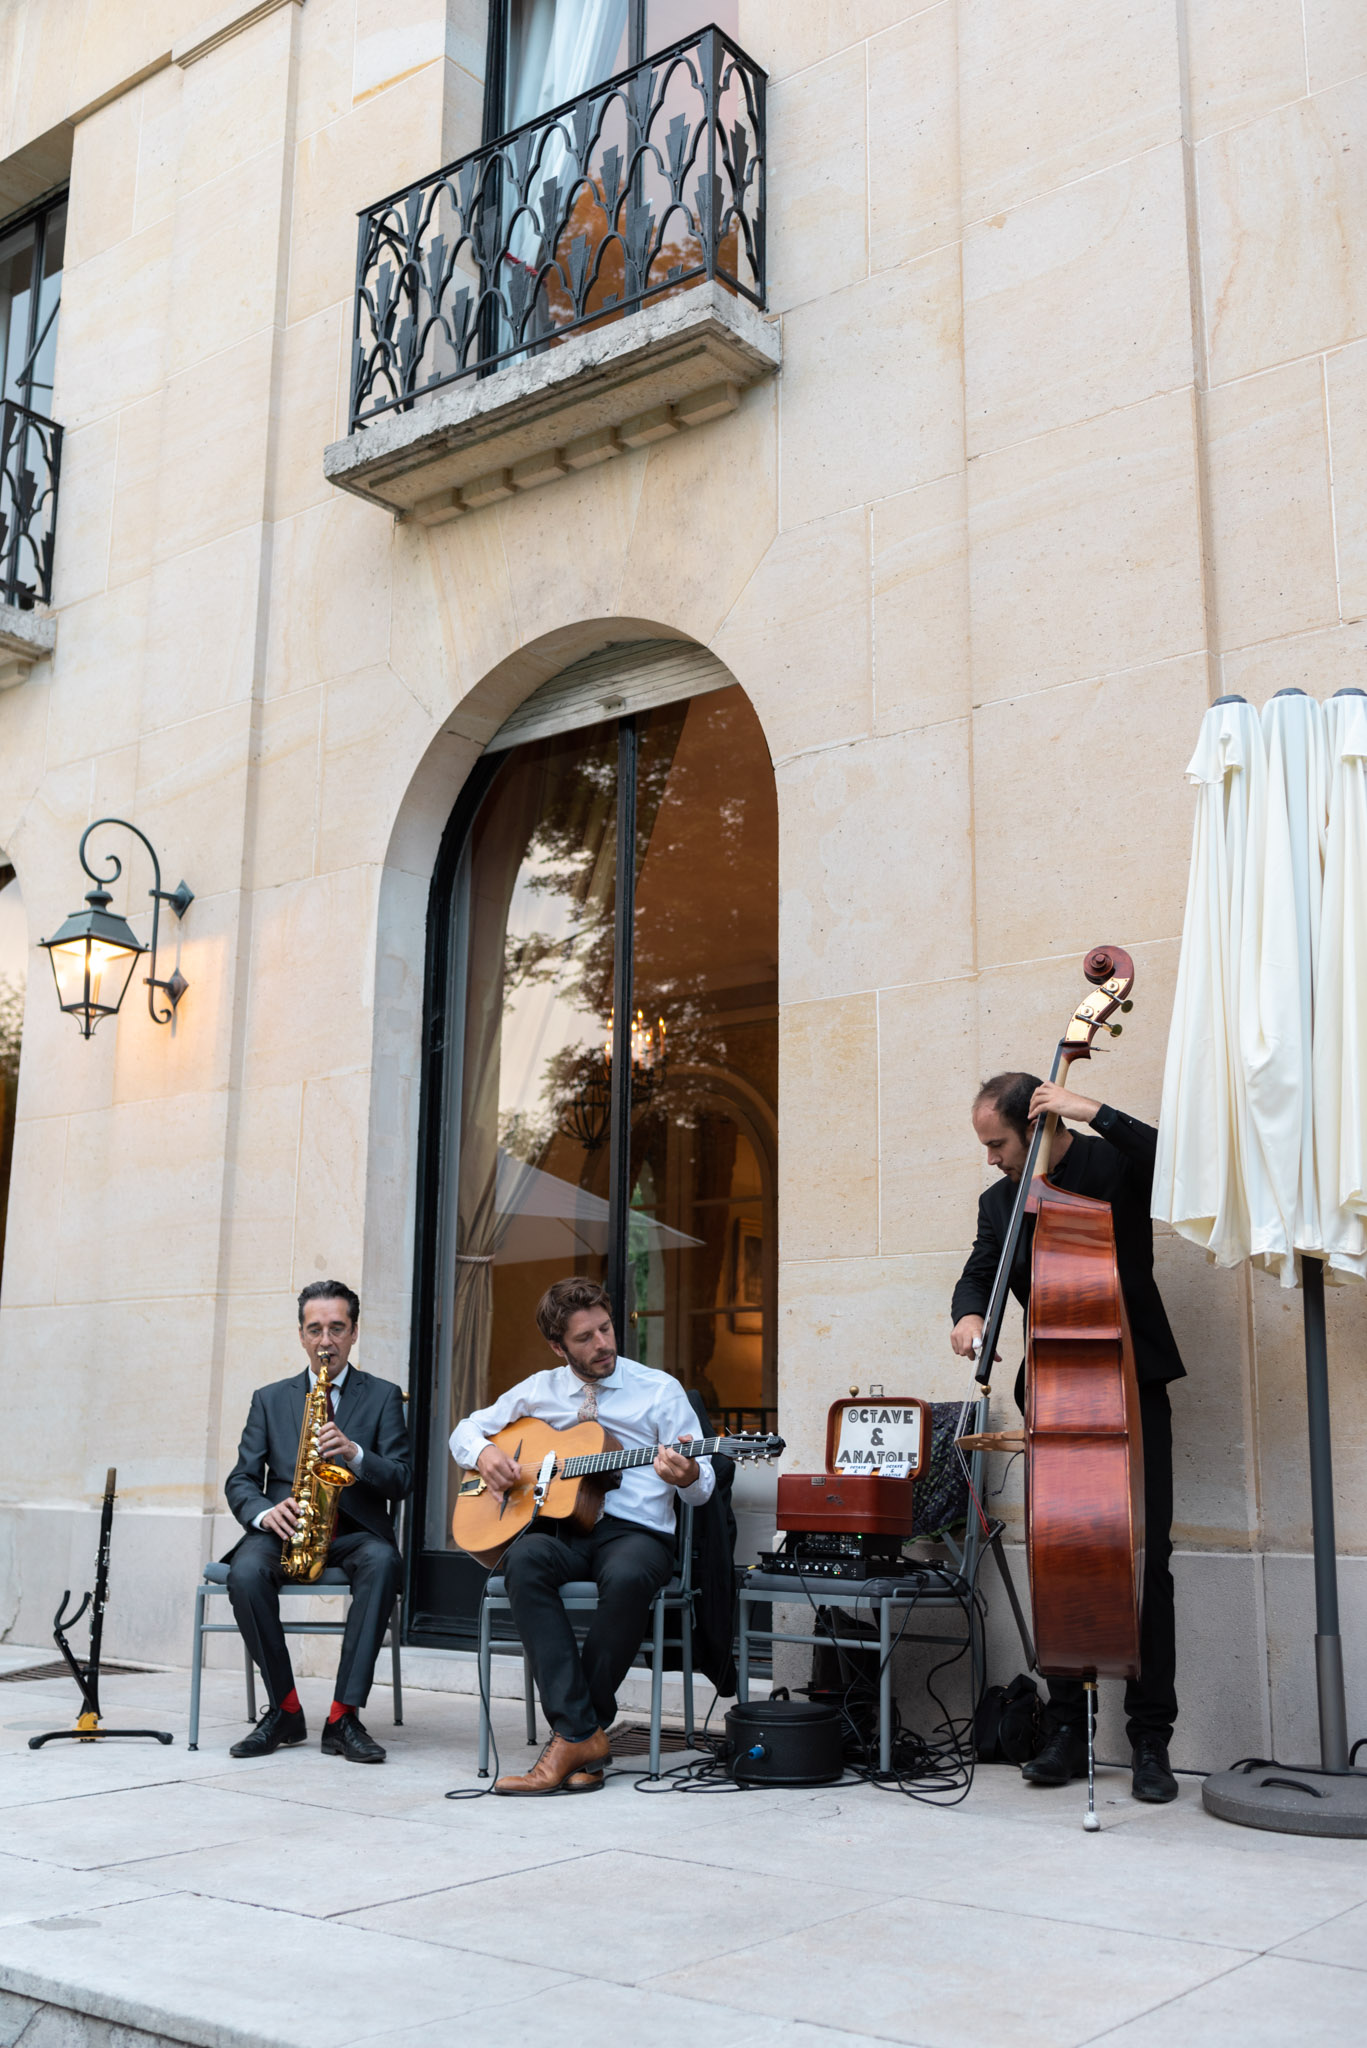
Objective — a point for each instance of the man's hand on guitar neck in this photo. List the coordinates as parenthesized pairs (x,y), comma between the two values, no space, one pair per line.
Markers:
(674,1468)
(497,1469)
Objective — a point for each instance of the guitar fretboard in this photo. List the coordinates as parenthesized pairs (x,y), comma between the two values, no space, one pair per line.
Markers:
(623,1461)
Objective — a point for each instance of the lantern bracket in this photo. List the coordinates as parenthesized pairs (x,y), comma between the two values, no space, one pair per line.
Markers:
(180,898)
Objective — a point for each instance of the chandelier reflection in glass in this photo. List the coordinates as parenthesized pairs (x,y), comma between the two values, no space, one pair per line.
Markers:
(588,1111)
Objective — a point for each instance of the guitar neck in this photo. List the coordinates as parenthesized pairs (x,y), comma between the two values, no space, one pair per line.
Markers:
(626,1461)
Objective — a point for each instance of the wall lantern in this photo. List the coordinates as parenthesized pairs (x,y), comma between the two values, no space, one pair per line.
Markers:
(94,953)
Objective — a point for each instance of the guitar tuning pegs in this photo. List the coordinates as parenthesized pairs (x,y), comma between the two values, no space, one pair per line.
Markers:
(1127,1005)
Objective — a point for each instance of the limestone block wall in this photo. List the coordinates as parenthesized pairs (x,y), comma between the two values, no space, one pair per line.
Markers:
(1070,435)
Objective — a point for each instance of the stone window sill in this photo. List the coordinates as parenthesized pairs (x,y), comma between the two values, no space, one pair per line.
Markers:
(670,366)
(26,637)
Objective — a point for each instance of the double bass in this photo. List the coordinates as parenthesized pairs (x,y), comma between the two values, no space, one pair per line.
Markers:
(1084,1463)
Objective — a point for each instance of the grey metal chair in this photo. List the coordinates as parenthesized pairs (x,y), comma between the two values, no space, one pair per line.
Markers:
(580,1597)
(332,1584)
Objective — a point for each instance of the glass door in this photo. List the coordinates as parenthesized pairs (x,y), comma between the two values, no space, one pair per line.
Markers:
(602,1079)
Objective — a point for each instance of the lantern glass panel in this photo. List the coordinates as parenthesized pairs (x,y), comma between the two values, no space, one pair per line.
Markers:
(110,970)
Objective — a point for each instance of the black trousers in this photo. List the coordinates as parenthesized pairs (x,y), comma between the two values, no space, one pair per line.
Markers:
(1150,1699)
(255,1577)
(578,1683)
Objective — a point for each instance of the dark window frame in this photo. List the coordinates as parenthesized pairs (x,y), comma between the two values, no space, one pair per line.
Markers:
(38,214)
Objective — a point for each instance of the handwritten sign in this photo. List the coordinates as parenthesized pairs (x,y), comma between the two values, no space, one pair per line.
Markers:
(879,1436)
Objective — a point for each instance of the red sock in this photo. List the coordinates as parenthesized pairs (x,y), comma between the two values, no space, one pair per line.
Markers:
(336,1711)
(290,1703)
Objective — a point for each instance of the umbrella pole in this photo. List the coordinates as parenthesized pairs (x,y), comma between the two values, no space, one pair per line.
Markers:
(1328,1642)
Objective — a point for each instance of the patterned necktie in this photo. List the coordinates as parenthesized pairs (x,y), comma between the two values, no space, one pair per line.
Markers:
(588,1405)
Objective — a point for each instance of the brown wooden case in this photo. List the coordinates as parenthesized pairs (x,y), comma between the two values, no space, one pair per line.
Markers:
(851,1497)
(847,1504)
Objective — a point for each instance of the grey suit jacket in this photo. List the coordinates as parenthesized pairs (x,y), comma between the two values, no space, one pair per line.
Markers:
(369,1411)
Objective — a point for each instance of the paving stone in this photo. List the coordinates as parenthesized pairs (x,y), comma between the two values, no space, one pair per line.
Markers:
(1269,2002)
(953,1976)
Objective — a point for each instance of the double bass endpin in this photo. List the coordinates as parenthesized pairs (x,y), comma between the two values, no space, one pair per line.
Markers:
(1091,1824)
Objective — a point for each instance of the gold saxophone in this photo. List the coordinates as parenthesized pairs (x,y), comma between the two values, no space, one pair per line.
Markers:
(317,1488)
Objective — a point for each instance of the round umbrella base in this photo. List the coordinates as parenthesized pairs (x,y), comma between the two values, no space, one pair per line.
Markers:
(1289,1801)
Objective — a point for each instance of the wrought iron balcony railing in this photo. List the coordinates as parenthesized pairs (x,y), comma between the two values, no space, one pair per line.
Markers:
(648,183)
(30,456)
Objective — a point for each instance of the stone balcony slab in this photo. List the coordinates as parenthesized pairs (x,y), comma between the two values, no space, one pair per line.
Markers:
(25,638)
(669,367)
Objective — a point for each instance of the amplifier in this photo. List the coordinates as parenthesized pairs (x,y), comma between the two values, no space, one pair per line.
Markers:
(826,1554)
(786,1567)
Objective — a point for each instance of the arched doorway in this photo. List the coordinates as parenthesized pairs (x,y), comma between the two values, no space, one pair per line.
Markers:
(600,1090)
(13,975)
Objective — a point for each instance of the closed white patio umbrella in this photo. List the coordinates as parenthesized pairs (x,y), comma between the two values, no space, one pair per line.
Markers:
(1267,1032)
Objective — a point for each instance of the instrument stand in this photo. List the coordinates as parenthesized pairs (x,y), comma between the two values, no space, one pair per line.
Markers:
(994,1544)
(87,1675)
(1329,1798)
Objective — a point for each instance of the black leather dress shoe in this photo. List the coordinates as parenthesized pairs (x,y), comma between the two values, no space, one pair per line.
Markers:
(275,1730)
(1153,1779)
(1063,1757)
(346,1737)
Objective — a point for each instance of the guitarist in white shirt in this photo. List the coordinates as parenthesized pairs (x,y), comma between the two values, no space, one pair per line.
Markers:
(629,1554)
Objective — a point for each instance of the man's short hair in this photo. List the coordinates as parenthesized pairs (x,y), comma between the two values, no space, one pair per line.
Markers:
(565,1298)
(330,1290)
(1010,1094)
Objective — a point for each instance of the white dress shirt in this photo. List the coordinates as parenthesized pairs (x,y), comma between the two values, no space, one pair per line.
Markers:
(636,1404)
(354,1461)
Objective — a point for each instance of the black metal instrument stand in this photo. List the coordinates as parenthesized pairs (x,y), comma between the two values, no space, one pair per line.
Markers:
(87,1675)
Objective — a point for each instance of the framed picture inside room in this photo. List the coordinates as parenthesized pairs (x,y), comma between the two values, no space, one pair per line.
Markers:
(746,1290)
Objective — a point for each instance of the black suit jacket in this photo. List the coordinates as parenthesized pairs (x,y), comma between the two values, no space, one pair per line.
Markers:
(1116,1166)
(369,1411)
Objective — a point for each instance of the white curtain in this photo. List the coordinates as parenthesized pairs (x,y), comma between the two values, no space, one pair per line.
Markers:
(1340,1053)
(562,48)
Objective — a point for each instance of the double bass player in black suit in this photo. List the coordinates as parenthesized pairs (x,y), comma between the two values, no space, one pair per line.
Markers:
(369,1435)
(1115,1165)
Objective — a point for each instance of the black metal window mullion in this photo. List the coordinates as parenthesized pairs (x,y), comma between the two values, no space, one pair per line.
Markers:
(619,1130)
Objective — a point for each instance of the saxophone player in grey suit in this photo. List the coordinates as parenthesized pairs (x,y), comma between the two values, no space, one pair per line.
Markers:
(369,1435)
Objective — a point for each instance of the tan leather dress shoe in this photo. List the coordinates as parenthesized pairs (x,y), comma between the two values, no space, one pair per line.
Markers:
(562,1767)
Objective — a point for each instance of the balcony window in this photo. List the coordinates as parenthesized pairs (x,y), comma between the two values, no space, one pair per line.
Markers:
(31,255)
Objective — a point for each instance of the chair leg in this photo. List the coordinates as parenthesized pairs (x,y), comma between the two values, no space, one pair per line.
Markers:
(196,1667)
(657,1679)
(529,1699)
(686,1637)
(395,1631)
(251,1683)
(743,1659)
(885,1686)
(485,1660)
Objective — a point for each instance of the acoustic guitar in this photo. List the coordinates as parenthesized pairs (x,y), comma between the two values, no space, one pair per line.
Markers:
(563,1476)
